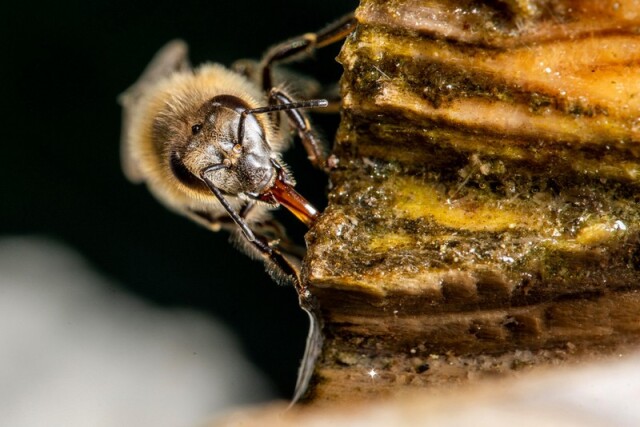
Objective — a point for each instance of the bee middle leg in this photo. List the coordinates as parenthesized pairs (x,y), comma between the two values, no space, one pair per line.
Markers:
(312,144)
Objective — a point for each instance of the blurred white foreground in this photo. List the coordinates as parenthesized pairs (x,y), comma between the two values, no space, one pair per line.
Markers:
(76,350)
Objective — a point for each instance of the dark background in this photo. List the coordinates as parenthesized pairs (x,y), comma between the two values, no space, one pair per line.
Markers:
(63,67)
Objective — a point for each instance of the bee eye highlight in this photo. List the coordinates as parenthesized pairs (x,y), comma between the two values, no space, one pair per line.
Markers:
(195,129)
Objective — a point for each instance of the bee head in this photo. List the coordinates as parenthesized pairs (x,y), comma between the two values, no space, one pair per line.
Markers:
(229,145)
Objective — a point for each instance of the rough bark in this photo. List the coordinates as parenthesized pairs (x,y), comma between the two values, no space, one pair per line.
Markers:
(483,218)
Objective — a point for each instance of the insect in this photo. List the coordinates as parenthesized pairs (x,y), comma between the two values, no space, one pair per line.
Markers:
(208,142)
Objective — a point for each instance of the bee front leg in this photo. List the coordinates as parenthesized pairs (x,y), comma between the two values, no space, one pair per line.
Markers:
(283,269)
(312,144)
(303,46)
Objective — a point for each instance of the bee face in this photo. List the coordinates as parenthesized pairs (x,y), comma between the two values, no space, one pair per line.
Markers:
(215,141)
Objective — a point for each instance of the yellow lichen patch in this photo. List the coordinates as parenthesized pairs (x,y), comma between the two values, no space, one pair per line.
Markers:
(390,241)
(418,199)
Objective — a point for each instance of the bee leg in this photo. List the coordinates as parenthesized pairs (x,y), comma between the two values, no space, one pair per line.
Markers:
(270,230)
(274,233)
(312,144)
(246,209)
(283,268)
(303,45)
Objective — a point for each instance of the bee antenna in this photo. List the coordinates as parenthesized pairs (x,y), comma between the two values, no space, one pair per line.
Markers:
(312,103)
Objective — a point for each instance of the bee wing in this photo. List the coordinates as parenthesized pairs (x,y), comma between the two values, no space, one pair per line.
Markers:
(173,57)
(312,349)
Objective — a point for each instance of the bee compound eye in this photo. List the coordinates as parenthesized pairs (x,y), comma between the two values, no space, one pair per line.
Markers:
(195,129)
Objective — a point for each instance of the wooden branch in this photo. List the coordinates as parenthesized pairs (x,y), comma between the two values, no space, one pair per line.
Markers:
(483,217)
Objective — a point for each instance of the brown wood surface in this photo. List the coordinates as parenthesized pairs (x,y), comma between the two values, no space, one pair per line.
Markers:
(483,218)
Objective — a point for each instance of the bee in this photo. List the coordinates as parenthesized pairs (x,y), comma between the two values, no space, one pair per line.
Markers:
(207,142)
